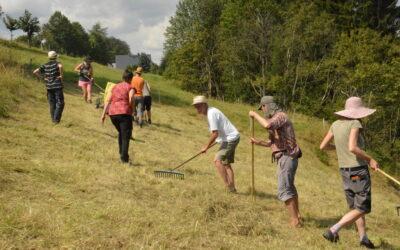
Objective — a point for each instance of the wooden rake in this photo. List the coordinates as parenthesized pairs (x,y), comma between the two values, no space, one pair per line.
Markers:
(395,181)
(172,173)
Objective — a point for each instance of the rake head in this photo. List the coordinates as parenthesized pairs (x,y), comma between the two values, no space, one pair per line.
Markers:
(169,174)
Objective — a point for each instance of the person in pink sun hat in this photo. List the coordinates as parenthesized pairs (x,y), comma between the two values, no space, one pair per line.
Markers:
(353,165)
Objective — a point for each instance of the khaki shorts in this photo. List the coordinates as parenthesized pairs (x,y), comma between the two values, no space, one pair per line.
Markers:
(226,153)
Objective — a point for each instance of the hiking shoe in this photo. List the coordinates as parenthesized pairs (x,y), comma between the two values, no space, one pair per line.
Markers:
(331,236)
(367,243)
(149,121)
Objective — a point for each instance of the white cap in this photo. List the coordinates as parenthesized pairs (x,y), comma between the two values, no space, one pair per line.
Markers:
(199,99)
(52,54)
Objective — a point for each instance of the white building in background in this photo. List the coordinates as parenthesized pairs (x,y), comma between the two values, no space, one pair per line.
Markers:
(122,61)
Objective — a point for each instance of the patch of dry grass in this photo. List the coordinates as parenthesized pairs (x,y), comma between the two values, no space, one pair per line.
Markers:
(62,186)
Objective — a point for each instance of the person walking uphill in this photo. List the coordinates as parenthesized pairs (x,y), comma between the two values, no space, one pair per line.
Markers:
(285,152)
(85,71)
(353,164)
(52,71)
(137,84)
(119,108)
(222,131)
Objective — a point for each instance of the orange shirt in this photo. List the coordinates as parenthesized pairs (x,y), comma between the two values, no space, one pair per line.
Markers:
(138,83)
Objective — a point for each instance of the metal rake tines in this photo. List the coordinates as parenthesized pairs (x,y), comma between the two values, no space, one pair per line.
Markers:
(169,174)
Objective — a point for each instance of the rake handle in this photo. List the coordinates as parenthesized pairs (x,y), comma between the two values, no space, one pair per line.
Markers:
(183,163)
(252,159)
(388,176)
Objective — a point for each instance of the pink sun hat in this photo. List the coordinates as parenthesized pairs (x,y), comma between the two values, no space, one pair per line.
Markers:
(355,109)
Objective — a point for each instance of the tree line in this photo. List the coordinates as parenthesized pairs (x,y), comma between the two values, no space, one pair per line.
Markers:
(67,37)
(311,55)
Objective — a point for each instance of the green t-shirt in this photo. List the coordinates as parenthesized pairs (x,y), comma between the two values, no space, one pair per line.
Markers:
(341,132)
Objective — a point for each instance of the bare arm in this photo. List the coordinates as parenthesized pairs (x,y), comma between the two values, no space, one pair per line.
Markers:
(261,142)
(213,137)
(353,147)
(78,68)
(131,100)
(61,71)
(264,122)
(106,106)
(325,144)
(36,72)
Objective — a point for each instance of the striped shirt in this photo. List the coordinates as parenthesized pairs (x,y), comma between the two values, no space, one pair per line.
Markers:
(52,75)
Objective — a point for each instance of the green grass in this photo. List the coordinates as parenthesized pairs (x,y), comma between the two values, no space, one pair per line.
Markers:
(62,186)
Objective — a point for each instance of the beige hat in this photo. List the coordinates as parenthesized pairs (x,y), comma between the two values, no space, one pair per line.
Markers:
(52,54)
(139,70)
(199,99)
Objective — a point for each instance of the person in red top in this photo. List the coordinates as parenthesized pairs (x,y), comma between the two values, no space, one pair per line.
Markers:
(137,84)
(119,108)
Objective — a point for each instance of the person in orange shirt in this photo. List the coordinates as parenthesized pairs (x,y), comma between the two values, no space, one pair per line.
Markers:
(137,84)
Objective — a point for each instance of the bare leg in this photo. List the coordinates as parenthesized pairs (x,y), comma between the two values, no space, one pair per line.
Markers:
(230,176)
(360,223)
(347,219)
(296,203)
(89,93)
(148,115)
(293,211)
(84,93)
(222,172)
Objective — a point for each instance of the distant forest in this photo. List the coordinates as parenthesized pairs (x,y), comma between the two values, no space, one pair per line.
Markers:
(311,55)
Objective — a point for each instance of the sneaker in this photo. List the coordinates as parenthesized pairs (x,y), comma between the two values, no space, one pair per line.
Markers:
(149,121)
(331,236)
(367,243)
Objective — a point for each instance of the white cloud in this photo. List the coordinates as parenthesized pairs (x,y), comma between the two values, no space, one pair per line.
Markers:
(141,23)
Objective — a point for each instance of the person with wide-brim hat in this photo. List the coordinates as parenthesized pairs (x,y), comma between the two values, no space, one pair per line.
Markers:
(52,71)
(85,70)
(223,132)
(285,152)
(353,164)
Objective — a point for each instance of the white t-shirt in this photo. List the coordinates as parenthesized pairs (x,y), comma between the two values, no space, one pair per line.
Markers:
(146,89)
(218,121)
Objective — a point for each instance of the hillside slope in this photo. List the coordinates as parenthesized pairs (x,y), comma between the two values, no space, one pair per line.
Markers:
(61,186)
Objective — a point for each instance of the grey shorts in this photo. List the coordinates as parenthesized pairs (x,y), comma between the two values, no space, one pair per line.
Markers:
(139,106)
(226,153)
(286,172)
(357,188)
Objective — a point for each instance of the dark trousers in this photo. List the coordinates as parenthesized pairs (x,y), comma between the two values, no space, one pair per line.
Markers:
(123,123)
(56,102)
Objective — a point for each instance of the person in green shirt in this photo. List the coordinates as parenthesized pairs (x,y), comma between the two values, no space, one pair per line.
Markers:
(353,164)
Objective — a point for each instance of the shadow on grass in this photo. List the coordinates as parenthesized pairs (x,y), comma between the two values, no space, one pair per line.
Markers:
(322,222)
(116,136)
(166,126)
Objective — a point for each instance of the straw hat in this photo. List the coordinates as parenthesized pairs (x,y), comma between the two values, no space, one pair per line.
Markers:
(52,54)
(139,70)
(355,109)
(199,99)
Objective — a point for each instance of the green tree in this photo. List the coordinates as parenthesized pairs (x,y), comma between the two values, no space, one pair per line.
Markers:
(29,24)
(99,45)
(118,47)
(145,61)
(11,24)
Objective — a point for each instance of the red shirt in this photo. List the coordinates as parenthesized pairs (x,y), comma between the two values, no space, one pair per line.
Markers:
(120,100)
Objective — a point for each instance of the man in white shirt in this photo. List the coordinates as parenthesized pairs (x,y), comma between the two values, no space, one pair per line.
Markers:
(222,131)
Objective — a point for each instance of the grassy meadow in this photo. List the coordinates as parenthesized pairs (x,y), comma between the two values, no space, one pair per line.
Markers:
(62,186)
